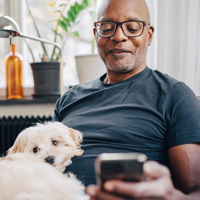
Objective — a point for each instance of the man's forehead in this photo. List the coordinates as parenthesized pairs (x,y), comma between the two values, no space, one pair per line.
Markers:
(139,9)
(112,19)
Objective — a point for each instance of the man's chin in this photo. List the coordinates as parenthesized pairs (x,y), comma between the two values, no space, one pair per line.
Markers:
(120,70)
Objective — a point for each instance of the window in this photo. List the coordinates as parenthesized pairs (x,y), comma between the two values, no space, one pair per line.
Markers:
(2,53)
(74,45)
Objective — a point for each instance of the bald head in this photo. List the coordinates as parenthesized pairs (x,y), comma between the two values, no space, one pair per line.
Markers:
(138,5)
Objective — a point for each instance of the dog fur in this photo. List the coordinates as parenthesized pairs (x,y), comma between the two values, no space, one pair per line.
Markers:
(52,141)
(24,176)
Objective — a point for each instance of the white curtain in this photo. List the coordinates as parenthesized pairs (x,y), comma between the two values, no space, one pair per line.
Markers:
(197,77)
(176,44)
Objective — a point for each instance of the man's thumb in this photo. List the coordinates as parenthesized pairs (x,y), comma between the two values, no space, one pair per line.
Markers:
(154,170)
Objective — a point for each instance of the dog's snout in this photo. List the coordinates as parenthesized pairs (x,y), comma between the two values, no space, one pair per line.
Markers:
(50,159)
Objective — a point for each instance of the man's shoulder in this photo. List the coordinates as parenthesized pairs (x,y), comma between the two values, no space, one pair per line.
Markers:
(80,90)
(162,77)
(85,87)
(164,82)
(173,90)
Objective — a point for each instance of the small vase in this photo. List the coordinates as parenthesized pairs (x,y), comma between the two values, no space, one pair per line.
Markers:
(14,74)
(89,67)
(46,76)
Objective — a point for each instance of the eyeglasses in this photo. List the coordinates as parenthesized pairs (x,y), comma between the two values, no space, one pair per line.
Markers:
(133,28)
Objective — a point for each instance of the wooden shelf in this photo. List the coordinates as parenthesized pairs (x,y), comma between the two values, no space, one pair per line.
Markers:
(28,106)
(27,100)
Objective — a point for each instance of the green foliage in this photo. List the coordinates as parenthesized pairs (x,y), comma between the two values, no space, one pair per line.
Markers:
(65,19)
(75,33)
(69,20)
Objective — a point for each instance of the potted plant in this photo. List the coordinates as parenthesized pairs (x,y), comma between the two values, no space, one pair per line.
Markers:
(46,74)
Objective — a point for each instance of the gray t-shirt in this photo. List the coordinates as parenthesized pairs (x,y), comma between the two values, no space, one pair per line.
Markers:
(148,113)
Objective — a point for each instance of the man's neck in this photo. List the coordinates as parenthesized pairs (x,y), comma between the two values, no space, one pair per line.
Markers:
(113,77)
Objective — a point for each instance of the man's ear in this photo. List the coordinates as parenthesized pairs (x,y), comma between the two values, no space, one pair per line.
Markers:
(150,33)
(94,31)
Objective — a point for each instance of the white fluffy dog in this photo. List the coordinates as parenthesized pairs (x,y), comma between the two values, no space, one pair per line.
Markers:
(52,141)
(24,176)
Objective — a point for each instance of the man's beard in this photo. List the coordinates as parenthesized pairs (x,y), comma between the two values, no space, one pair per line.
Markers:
(122,70)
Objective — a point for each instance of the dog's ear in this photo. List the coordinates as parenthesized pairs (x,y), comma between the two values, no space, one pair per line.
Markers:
(77,136)
(19,144)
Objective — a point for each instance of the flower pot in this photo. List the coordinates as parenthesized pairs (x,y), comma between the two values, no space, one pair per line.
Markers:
(89,67)
(46,76)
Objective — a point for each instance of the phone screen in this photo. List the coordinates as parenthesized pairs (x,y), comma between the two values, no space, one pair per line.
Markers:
(126,167)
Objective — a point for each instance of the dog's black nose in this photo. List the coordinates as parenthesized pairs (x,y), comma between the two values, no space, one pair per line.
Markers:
(50,159)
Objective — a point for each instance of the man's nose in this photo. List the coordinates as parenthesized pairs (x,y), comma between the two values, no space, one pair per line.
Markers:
(119,35)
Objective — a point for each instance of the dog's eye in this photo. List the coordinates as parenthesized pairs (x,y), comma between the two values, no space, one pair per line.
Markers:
(56,143)
(35,150)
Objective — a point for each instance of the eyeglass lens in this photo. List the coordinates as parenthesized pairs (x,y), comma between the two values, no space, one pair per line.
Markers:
(131,29)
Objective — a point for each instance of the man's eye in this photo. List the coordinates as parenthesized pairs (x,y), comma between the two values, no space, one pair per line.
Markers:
(55,143)
(35,150)
(107,30)
(133,27)
(132,30)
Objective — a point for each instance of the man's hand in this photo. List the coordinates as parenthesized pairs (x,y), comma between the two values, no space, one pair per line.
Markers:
(157,186)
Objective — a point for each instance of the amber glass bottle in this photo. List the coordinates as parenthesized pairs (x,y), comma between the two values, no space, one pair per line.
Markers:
(14,75)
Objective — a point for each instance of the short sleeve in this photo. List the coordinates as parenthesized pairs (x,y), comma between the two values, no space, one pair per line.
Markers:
(56,116)
(58,107)
(182,116)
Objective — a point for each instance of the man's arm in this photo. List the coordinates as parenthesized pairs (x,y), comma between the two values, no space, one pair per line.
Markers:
(185,167)
(159,186)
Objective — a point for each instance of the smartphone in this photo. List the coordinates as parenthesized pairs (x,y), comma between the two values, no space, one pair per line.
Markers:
(123,166)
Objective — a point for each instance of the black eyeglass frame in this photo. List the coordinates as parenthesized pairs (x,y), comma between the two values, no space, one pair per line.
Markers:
(120,24)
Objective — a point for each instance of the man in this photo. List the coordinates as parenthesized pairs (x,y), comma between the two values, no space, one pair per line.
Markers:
(133,108)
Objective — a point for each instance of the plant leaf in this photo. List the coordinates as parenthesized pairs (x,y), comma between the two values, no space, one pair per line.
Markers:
(62,24)
(56,11)
(76,8)
(75,33)
(52,4)
(58,34)
(66,21)
(70,15)
(86,3)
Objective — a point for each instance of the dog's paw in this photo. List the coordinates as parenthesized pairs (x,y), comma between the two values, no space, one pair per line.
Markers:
(71,175)
(60,168)
(67,163)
